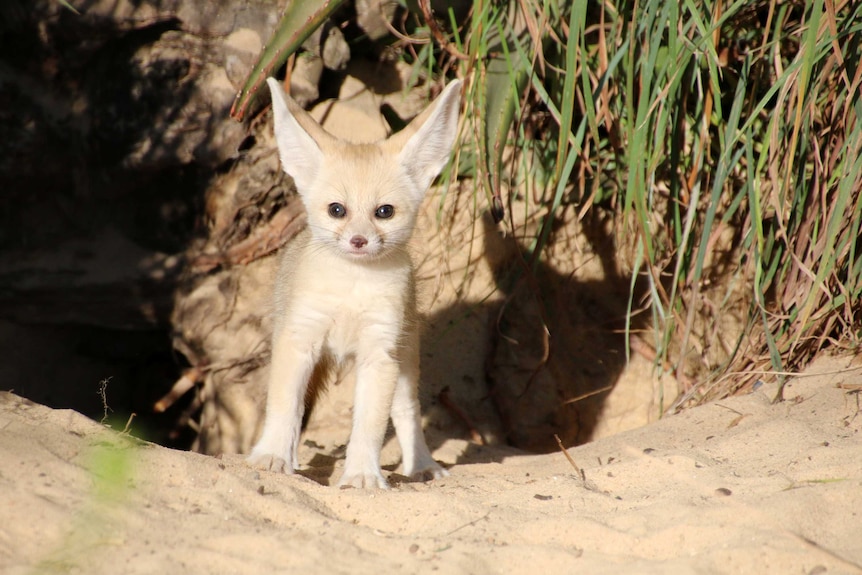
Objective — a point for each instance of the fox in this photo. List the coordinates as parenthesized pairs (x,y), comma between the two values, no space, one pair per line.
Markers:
(345,289)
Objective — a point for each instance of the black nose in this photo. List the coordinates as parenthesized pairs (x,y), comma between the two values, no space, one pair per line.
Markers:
(358,241)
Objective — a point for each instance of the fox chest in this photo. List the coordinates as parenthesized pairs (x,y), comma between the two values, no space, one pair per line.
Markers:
(345,315)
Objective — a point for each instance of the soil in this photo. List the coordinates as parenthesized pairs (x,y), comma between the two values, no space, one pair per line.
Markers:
(739,486)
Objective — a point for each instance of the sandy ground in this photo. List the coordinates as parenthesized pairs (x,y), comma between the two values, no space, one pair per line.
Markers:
(739,486)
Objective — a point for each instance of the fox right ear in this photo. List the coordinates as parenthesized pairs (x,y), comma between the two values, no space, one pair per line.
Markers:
(299,137)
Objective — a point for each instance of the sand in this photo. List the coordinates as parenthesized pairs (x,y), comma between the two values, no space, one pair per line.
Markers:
(738,486)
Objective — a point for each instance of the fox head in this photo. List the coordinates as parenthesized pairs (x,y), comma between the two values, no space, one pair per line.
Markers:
(362,199)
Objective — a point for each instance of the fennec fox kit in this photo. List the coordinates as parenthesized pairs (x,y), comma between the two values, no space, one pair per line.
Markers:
(345,286)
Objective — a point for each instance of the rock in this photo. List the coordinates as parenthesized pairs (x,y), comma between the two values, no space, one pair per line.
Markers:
(374,15)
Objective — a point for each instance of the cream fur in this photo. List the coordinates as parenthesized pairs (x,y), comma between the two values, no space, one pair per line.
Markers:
(345,286)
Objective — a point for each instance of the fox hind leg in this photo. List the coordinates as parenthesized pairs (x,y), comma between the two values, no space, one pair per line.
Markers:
(417,462)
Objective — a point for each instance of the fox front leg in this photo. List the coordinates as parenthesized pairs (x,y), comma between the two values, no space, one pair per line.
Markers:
(290,372)
(376,375)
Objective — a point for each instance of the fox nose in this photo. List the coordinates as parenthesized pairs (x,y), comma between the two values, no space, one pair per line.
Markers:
(358,241)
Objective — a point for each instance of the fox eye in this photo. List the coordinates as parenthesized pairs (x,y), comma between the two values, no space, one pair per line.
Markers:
(337,210)
(384,212)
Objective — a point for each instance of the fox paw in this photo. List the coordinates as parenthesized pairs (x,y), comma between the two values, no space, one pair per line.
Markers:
(429,473)
(269,462)
(363,481)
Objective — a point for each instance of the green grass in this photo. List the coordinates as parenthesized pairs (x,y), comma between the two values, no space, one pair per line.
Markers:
(725,140)
(722,138)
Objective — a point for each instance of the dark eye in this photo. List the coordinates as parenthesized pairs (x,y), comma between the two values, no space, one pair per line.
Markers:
(336,210)
(384,212)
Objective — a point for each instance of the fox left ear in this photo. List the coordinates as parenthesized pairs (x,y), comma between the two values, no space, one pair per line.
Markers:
(426,143)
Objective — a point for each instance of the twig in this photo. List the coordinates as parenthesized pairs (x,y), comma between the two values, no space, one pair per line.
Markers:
(103,393)
(129,423)
(827,551)
(288,72)
(428,15)
(849,386)
(751,372)
(447,402)
(588,394)
(735,421)
(797,374)
(288,222)
(185,419)
(404,37)
(474,522)
(729,409)
(577,469)
(179,389)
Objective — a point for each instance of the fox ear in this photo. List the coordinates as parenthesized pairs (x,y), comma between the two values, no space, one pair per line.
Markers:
(424,146)
(301,140)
